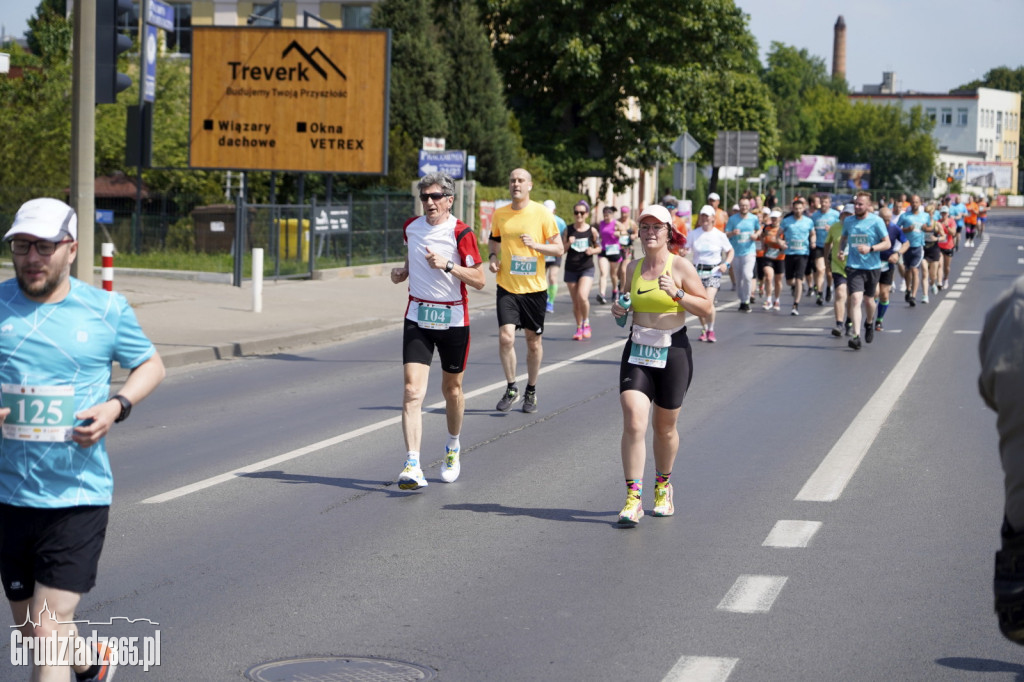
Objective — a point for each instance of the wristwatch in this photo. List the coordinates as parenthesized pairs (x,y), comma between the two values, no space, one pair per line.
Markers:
(126,407)
(679,295)
(449,266)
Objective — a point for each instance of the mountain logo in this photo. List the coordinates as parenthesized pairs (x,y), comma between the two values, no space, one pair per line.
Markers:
(311,57)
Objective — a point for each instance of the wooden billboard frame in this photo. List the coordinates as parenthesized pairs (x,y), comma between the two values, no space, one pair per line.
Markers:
(290,99)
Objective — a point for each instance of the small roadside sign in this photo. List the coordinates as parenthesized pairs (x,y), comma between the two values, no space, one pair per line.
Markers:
(452,162)
(104,217)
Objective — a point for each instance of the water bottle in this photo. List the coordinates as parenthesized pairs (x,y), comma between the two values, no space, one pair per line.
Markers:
(625,303)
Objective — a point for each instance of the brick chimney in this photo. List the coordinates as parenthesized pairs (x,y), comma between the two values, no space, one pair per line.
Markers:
(839,49)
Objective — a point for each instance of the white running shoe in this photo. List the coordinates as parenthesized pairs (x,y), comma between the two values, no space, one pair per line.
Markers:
(411,477)
(903,285)
(451,467)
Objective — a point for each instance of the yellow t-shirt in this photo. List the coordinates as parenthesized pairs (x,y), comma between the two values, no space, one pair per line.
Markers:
(522,269)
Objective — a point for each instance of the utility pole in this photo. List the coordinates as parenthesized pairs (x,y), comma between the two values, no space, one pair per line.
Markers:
(83,135)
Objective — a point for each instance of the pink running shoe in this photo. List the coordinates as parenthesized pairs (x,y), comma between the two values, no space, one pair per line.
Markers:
(586,331)
(578,336)
(711,337)
(703,336)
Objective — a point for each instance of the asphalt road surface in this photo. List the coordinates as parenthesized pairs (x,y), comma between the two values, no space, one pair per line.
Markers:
(836,511)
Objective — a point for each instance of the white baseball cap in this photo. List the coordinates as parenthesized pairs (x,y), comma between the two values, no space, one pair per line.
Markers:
(714,197)
(550,205)
(707,210)
(47,219)
(658,212)
(776,214)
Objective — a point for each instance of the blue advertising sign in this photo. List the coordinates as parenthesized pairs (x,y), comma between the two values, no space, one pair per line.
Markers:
(149,75)
(452,162)
(104,217)
(160,15)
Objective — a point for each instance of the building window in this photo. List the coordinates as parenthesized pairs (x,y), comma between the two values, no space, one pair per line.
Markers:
(947,117)
(355,16)
(262,14)
(961,117)
(180,39)
(930,114)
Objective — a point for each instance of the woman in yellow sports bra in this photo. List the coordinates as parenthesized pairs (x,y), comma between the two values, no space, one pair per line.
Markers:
(656,362)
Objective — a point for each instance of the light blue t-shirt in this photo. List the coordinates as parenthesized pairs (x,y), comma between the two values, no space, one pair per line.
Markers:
(917,221)
(822,222)
(797,234)
(561,231)
(55,362)
(869,230)
(743,243)
(957,211)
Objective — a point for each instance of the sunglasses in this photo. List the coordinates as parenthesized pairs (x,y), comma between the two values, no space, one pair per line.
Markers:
(436,196)
(579,213)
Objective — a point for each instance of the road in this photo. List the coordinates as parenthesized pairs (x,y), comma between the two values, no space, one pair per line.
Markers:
(256,516)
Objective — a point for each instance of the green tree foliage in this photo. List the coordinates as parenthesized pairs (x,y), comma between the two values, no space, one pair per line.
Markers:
(1003,78)
(479,118)
(49,33)
(596,84)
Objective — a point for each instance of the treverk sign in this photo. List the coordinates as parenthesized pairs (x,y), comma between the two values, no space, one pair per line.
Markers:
(290,99)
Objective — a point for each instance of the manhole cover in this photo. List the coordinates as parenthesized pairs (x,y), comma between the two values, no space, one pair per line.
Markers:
(339,669)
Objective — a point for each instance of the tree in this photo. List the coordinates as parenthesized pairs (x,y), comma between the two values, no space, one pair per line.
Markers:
(480,121)
(597,85)
(1003,78)
(49,32)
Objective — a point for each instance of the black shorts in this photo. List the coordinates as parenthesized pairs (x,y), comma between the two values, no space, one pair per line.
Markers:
(573,276)
(932,253)
(525,311)
(912,257)
(838,279)
(58,547)
(664,386)
(816,253)
(759,267)
(778,266)
(452,346)
(613,258)
(796,265)
(862,280)
(947,252)
(886,274)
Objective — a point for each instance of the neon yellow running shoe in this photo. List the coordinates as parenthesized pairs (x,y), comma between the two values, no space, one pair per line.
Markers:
(632,512)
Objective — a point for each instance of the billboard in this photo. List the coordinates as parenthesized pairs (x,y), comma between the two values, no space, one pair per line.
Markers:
(812,168)
(290,99)
(990,174)
(853,176)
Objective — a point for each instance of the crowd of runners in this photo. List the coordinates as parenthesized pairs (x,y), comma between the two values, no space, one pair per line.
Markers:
(653,272)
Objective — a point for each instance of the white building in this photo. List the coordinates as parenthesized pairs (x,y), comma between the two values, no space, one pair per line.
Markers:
(972,127)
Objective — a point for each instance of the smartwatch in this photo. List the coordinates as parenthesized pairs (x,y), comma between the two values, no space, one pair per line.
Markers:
(449,266)
(126,407)
(679,295)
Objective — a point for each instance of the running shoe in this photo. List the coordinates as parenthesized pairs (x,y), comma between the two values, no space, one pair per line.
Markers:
(903,285)
(744,307)
(878,326)
(828,295)
(752,301)
(586,331)
(703,335)
(550,307)
(906,297)
(819,300)
(711,337)
(509,398)
(578,336)
(854,343)
(849,328)
(452,467)
(794,311)
(869,332)
(767,304)
(601,299)
(935,288)
(632,512)
(777,306)
(411,477)
(663,500)
(530,402)
(615,294)
(837,331)
(945,284)
(912,302)
(106,659)
(924,297)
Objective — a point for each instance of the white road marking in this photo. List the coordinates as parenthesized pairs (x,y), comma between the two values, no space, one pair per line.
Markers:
(369,428)
(958,286)
(953,295)
(829,480)
(701,669)
(967,331)
(752,594)
(791,534)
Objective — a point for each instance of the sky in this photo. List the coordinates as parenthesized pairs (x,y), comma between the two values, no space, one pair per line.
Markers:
(931,45)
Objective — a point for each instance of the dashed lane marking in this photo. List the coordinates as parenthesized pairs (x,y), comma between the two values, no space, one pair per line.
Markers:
(701,669)
(752,594)
(791,533)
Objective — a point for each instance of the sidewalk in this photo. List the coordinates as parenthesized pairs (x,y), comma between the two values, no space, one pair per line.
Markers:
(195,320)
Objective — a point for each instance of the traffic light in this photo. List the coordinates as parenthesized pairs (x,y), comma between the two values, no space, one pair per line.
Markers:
(110,43)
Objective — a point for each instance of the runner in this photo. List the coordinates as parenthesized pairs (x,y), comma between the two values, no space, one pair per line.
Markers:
(898,245)
(982,215)
(765,221)
(611,254)
(553,263)
(656,362)
(441,259)
(721,217)
(867,237)
(823,219)
(774,261)
(798,240)
(59,339)
(712,256)
(947,246)
(743,229)
(837,270)
(913,223)
(970,221)
(581,242)
(932,256)
(626,228)
(521,233)
(957,211)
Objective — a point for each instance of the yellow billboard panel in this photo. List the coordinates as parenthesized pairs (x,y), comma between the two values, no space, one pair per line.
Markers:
(283,99)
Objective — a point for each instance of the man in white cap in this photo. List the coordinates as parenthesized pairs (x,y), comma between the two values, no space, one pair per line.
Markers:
(60,338)
(721,217)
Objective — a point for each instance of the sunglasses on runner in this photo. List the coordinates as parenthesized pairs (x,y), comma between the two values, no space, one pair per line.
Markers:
(436,196)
